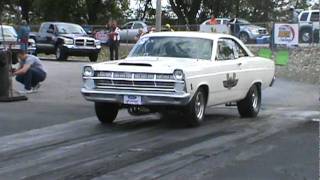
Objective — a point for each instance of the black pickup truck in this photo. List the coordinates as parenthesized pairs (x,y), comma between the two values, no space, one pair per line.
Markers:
(65,39)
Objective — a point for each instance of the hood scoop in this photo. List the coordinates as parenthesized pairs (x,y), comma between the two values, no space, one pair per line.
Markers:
(135,64)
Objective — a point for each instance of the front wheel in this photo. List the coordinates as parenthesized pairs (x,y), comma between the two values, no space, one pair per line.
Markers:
(244,37)
(93,57)
(195,110)
(106,112)
(61,55)
(250,105)
(306,36)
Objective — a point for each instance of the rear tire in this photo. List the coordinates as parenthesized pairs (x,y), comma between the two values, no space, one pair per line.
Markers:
(250,105)
(194,112)
(93,57)
(61,55)
(106,112)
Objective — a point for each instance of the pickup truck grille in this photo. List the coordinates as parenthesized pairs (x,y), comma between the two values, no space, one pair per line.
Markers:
(83,42)
(262,31)
(134,81)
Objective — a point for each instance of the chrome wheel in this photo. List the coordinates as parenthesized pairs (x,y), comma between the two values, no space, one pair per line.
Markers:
(199,105)
(244,37)
(306,37)
(255,99)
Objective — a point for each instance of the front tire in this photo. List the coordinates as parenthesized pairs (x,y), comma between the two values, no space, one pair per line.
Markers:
(61,55)
(306,35)
(93,57)
(244,37)
(250,105)
(106,112)
(195,111)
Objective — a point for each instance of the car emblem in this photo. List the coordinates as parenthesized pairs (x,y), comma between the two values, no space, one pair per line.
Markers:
(231,81)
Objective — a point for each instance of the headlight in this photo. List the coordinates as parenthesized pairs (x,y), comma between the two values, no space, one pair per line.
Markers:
(88,71)
(178,75)
(98,43)
(254,31)
(68,41)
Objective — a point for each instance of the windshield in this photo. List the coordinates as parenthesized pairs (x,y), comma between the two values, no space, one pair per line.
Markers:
(8,32)
(70,29)
(179,47)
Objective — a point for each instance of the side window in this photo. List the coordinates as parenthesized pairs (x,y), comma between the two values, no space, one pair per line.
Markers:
(137,26)
(44,28)
(225,21)
(218,21)
(304,16)
(238,50)
(314,17)
(207,22)
(225,50)
(127,26)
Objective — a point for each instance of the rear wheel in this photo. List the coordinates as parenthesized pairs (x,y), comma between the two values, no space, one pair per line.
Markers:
(250,105)
(194,112)
(106,112)
(61,55)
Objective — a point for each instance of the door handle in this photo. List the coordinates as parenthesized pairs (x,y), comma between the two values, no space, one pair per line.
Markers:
(239,64)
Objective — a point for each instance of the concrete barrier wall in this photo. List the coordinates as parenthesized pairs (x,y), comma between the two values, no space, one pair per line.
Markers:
(304,64)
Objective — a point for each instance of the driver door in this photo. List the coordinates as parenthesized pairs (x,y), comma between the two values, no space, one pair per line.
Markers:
(226,67)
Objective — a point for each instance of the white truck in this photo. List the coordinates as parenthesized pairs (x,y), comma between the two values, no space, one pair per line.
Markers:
(309,26)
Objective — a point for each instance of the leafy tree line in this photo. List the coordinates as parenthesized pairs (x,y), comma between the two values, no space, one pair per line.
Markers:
(79,11)
(178,11)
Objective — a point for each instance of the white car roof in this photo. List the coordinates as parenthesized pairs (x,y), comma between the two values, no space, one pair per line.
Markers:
(6,26)
(203,35)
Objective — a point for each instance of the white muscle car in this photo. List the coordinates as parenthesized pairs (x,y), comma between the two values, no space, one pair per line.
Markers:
(179,71)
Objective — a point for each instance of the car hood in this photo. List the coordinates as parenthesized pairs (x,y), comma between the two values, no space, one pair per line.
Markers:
(149,64)
(74,36)
(253,27)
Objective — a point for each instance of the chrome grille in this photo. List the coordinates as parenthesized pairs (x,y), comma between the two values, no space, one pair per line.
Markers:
(262,31)
(90,43)
(79,42)
(84,42)
(134,81)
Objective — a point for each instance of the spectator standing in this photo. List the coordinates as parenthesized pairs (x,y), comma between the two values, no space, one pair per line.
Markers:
(169,28)
(114,41)
(235,26)
(23,35)
(213,20)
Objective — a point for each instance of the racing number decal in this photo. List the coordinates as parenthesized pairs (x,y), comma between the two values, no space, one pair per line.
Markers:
(231,81)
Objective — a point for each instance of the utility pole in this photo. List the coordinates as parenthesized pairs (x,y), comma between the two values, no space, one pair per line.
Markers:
(158,16)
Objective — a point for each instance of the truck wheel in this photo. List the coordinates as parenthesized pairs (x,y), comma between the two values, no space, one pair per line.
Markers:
(106,112)
(244,37)
(195,110)
(93,57)
(306,35)
(61,55)
(250,105)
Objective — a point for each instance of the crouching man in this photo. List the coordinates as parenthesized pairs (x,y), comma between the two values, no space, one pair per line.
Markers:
(30,73)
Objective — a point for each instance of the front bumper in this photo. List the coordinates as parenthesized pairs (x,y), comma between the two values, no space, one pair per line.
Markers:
(147,98)
(81,50)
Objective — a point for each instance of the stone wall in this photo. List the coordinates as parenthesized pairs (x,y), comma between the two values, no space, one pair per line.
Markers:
(304,64)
